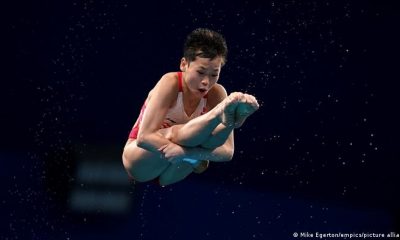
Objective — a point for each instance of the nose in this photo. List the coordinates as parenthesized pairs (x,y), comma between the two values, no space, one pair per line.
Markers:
(205,81)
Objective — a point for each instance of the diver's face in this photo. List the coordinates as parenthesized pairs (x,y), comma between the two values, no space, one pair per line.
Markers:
(201,74)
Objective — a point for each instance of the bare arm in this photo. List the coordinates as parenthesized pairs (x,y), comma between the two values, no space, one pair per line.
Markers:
(162,96)
(175,153)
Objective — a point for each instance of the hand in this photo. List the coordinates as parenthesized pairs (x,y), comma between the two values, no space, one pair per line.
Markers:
(172,152)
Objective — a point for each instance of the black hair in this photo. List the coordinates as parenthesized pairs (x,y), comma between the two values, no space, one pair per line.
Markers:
(205,43)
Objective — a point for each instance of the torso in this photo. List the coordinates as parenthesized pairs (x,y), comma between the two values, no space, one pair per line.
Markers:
(180,111)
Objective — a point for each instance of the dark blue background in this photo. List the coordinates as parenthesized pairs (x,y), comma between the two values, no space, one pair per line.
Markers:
(321,154)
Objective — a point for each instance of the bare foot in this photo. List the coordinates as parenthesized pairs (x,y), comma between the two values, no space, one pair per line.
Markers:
(226,109)
(248,105)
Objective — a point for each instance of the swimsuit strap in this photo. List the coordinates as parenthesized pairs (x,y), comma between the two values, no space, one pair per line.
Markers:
(180,81)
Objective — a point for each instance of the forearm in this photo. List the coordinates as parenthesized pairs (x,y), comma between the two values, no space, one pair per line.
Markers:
(220,154)
(152,141)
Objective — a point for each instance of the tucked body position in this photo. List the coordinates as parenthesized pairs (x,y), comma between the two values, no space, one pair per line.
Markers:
(187,119)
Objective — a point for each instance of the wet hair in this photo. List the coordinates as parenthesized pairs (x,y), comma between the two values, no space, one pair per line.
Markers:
(205,43)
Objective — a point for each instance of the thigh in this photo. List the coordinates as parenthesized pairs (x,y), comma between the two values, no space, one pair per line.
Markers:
(175,173)
(142,165)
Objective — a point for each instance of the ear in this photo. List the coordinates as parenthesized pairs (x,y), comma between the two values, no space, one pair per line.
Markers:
(184,64)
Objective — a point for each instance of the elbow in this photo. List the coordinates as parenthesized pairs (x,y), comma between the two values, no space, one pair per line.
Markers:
(228,154)
(141,141)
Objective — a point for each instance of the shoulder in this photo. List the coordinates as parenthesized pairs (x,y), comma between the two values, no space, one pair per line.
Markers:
(217,91)
(216,94)
(168,83)
(169,79)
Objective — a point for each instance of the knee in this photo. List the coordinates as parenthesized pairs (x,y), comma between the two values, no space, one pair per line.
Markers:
(173,133)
